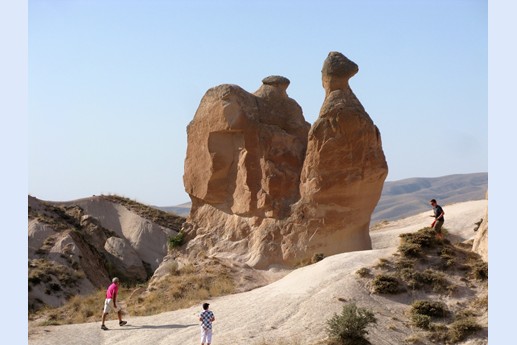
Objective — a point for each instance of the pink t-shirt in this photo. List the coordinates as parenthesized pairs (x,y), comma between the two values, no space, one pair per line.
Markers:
(112,290)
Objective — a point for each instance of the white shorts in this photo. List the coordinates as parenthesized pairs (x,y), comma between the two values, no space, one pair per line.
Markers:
(206,335)
(108,305)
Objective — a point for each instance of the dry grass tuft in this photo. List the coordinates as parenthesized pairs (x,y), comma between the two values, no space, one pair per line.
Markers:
(189,286)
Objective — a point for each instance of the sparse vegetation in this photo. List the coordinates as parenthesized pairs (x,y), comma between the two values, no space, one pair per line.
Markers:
(42,271)
(423,312)
(411,250)
(350,326)
(191,285)
(479,270)
(383,263)
(177,241)
(165,219)
(317,257)
(481,303)
(423,238)
(462,328)
(363,272)
(428,279)
(426,265)
(188,286)
(386,284)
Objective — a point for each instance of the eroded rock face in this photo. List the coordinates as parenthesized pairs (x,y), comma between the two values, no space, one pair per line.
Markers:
(245,151)
(265,190)
(125,257)
(343,173)
(480,244)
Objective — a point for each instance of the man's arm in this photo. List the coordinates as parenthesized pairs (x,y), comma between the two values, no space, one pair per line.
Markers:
(115,299)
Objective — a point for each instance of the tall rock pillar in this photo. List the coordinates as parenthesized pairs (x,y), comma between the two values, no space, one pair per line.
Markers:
(343,172)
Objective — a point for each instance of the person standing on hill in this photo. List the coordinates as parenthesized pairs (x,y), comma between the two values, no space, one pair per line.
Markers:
(111,303)
(206,317)
(439,218)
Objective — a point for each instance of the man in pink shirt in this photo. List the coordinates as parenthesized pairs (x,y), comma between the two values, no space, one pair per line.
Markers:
(111,303)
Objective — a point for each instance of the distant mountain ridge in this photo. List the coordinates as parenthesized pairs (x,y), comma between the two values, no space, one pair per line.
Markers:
(407,197)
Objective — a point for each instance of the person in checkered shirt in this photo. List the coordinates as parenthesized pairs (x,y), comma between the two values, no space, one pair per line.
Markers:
(206,317)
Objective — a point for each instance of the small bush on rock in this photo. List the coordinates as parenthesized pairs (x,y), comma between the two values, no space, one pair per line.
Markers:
(422,312)
(462,328)
(350,326)
(386,284)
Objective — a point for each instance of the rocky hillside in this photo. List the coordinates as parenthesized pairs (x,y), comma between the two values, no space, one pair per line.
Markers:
(421,291)
(76,247)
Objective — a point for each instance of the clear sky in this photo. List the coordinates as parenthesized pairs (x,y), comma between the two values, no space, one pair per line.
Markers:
(113,84)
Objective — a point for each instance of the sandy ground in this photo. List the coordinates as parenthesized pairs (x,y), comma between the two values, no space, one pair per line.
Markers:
(293,309)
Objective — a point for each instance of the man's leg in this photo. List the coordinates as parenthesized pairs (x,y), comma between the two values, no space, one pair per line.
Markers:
(103,327)
(208,336)
(438,229)
(203,336)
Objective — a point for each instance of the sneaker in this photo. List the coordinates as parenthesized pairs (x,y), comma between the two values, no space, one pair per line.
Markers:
(122,323)
(104,327)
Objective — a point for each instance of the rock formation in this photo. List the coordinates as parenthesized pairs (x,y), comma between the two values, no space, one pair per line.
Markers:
(480,244)
(343,172)
(265,190)
(246,151)
(78,246)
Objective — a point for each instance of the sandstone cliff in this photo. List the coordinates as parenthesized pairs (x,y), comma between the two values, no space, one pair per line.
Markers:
(265,189)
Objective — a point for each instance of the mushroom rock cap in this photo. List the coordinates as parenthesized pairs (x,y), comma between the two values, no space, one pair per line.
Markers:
(275,80)
(338,65)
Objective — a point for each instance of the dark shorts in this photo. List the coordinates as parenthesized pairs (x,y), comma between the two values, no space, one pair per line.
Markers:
(438,226)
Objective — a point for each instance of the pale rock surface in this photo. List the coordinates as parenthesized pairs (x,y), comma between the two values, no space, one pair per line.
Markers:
(480,244)
(149,240)
(127,258)
(38,233)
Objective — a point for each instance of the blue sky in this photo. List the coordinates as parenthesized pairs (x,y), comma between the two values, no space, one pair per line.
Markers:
(113,84)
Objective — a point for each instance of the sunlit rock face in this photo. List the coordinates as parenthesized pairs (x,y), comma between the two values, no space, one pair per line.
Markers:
(268,189)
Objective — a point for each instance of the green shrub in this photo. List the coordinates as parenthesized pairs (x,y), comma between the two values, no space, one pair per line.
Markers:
(421,321)
(412,250)
(462,328)
(177,241)
(386,284)
(429,308)
(423,312)
(428,279)
(350,326)
(425,237)
(405,263)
